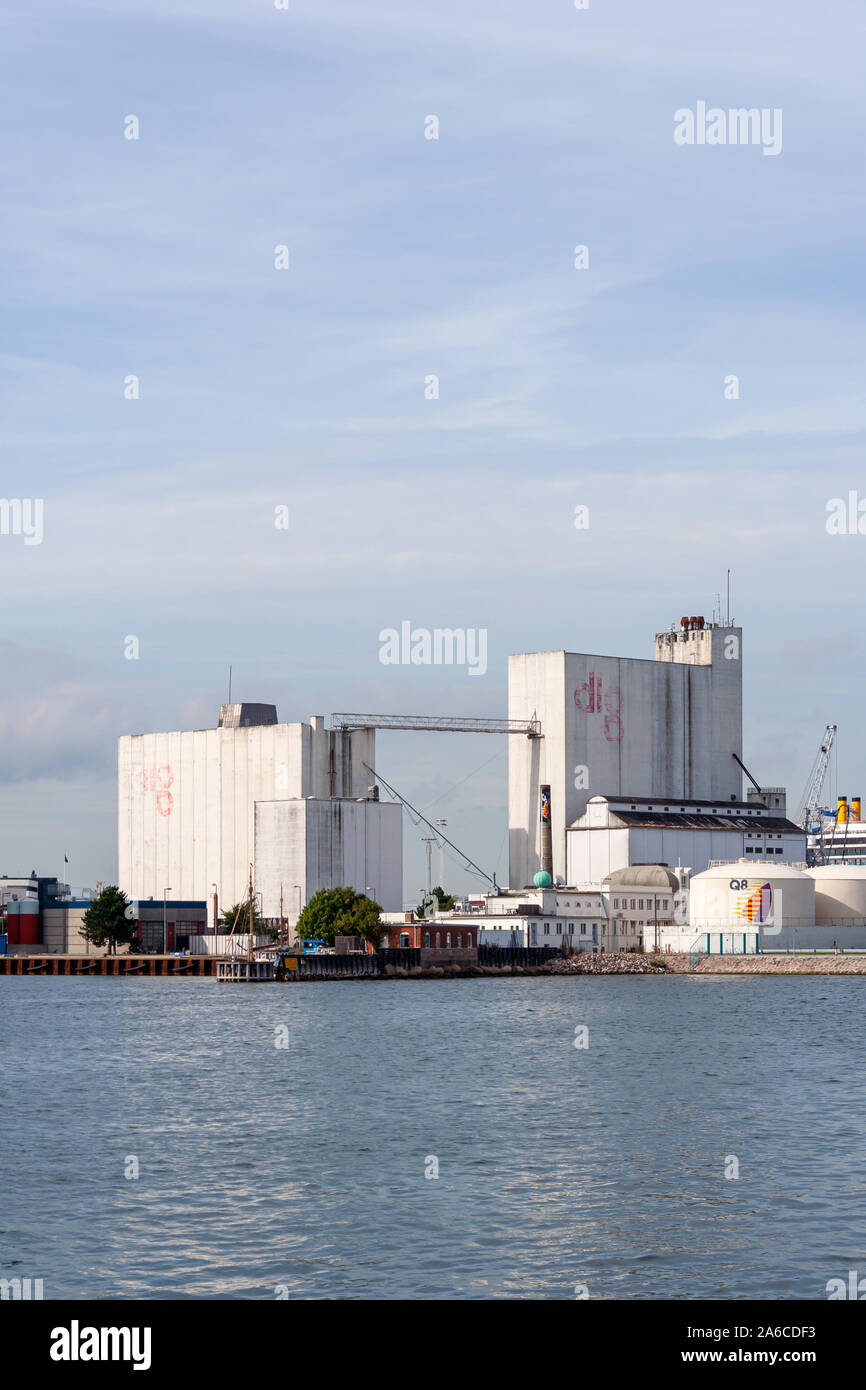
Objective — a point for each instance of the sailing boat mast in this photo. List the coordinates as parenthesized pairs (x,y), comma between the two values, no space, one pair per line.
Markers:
(250,915)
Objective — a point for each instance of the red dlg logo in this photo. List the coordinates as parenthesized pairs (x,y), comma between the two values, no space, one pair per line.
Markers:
(159,782)
(590,699)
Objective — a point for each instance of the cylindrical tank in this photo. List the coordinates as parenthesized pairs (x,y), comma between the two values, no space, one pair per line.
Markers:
(744,896)
(840,894)
(28,929)
(13,920)
(841,809)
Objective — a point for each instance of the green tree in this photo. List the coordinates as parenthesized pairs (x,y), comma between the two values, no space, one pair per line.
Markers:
(106,922)
(444,903)
(240,913)
(339,912)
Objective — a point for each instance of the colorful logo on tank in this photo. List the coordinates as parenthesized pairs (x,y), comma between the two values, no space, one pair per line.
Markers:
(756,903)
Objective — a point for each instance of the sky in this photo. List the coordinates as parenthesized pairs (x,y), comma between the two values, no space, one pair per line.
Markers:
(308,388)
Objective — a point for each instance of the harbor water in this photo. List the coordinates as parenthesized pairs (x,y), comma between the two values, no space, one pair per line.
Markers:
(643,1137)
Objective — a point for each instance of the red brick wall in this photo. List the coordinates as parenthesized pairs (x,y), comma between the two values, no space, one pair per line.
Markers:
(467,936)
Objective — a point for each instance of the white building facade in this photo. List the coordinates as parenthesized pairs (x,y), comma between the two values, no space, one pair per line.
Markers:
(669,727)
(304,845)
(186,800)
(616,916)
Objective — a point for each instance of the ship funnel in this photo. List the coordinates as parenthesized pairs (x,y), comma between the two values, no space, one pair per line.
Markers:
(841,810)
(855,808)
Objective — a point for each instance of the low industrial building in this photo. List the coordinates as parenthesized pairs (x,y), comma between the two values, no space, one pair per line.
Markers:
(618,831)
(171,928)
(628,912)
(433,934)
(54,927)
(740,906)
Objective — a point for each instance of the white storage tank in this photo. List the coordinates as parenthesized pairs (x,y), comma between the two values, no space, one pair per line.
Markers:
(746,896)
(840,895)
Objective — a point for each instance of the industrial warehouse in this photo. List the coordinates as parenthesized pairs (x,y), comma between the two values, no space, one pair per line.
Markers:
(628,827)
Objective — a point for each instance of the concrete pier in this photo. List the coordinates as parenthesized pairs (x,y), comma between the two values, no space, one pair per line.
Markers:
(32,964)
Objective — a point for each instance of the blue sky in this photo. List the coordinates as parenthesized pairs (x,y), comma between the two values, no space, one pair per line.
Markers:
(558,387)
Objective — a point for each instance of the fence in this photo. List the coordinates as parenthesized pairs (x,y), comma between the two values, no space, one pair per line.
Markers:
(326,967)
(725,943)
(239,944)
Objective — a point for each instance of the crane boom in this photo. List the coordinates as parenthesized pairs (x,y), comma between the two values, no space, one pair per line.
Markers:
(815,784)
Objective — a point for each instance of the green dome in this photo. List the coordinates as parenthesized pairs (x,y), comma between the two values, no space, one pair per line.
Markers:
(542,879)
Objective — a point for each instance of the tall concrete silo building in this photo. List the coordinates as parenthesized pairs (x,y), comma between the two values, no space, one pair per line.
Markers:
(667,728)
(190,802)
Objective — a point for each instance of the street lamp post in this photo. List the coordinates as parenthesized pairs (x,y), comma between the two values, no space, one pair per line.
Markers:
(216,919)
(442,822)
(164,928)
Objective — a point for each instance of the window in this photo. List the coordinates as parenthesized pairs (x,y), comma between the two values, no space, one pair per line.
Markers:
(448,938)
(439,938)
(427,939)
(404,938)
(632,902)
(547,929)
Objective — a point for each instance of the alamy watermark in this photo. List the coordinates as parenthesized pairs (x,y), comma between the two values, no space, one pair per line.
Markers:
(846,517)
(22,516)
(739,125)
(23,1289)
(443,646)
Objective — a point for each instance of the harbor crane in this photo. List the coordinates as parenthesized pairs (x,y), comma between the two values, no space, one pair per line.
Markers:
(811,803)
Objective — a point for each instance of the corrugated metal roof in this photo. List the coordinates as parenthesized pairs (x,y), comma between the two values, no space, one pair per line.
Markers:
(697,821)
